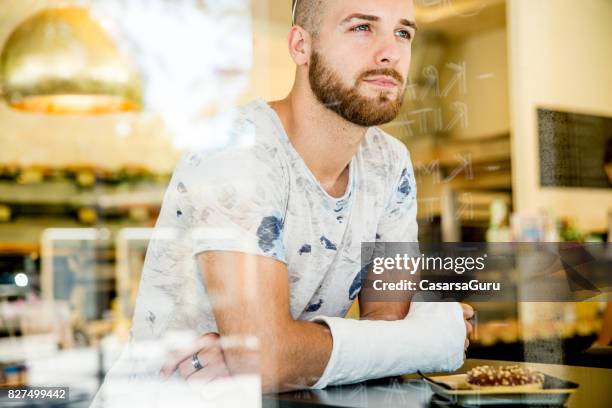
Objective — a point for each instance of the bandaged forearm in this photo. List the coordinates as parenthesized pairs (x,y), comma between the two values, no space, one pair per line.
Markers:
(430,338)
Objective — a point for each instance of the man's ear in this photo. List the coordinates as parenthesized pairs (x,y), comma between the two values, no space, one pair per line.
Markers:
(300,45)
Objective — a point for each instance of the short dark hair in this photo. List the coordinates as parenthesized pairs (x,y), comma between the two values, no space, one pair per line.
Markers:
(307,14)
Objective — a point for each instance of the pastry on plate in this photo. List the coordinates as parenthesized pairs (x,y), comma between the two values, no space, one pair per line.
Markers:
(504,377)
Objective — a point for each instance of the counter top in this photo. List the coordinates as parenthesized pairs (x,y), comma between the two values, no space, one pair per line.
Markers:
(408,391)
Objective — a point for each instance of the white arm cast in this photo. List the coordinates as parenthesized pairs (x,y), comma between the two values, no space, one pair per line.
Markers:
(430,338)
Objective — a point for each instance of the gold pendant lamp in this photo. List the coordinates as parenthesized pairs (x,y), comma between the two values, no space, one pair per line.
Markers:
(61,61)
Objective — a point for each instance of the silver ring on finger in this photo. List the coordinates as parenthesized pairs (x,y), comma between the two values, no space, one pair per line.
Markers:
(195,362)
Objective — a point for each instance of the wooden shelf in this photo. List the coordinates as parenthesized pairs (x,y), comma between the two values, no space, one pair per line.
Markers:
(64,192)
(18,248)
(447,153)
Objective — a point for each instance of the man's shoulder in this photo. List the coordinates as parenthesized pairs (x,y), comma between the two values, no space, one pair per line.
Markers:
(250,146)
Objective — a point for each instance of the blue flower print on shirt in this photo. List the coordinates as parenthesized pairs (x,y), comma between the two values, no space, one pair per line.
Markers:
(305,249)
(327,244)
(355,287)
(314,306)
(404,187)
(269,232)
(340,205)
(343,204)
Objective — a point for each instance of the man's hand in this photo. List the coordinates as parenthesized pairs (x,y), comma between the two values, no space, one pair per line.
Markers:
(468,313)
(210,355)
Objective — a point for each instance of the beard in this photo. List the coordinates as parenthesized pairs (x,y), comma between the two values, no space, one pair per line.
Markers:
(347,102)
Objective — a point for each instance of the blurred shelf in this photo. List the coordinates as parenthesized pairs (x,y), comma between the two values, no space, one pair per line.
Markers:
(512,331)
(499,181)
(12,291)
(24,235)
(7,248)
(459,18)
(18,349)
(451,152)
(67,193)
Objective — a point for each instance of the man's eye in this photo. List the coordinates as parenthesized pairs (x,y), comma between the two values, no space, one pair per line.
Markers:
(361,27)
(404,34)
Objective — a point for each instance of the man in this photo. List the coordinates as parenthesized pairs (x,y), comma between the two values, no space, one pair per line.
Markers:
(270,230)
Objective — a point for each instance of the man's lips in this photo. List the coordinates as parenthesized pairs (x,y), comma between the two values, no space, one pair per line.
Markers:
(382,81)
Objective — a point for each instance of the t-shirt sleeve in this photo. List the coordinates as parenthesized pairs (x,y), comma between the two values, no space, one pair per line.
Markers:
(232,201)
(398,222)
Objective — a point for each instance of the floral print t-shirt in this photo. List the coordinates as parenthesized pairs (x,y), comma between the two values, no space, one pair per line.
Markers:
(258,196)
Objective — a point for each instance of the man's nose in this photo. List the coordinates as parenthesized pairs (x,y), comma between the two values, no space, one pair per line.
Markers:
(387,52)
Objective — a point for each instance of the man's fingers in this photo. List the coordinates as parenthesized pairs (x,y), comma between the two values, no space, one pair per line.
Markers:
(468,311)
(208,357)
(171,364)
(175,359)
(179,356)
(209,373)
(468,328)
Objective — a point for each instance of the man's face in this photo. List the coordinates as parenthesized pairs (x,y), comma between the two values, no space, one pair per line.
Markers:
(361,57)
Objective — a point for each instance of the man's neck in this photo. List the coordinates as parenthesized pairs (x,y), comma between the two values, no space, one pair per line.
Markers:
(325,141)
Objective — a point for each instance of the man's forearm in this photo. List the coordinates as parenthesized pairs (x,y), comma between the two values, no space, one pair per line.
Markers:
(383,310)
(293,356)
